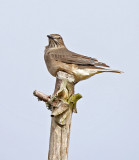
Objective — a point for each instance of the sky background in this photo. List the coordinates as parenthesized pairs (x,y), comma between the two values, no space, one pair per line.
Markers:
(107,124)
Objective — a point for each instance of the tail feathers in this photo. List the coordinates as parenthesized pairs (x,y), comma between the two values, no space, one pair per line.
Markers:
(109,70)
(83,73)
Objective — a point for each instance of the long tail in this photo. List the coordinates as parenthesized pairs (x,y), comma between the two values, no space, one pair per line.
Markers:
(83,73)
(109,70)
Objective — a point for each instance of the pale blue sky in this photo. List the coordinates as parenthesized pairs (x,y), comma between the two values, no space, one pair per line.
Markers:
(107,124)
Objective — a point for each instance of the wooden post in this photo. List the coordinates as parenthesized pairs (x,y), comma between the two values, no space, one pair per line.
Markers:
(62,104)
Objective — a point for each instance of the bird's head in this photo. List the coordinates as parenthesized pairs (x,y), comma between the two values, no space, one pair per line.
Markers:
(55,41)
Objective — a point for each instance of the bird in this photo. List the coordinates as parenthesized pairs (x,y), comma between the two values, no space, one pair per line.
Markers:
(58,58)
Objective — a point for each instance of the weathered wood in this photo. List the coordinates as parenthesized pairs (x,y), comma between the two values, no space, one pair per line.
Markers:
(63,104)
(61,118)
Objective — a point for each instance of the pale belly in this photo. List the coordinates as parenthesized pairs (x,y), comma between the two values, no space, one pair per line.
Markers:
(82,74)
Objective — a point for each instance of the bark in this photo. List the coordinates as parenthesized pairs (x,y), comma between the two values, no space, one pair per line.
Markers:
(62,104)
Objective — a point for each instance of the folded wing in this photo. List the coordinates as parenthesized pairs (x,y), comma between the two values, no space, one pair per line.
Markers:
(66,56)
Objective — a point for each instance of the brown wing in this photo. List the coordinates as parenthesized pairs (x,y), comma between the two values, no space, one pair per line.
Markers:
(66,56)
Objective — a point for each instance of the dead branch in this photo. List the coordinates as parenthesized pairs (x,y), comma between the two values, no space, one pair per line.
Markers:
(63,104)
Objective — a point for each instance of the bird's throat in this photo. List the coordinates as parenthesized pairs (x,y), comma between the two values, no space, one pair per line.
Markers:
(55,44)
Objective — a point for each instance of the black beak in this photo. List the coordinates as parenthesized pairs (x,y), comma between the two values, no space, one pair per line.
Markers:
(49,36)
